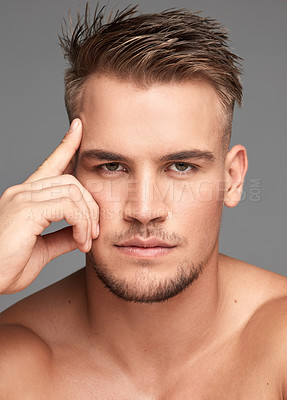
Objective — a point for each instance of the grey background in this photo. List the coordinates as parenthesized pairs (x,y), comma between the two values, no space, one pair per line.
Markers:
(33,119)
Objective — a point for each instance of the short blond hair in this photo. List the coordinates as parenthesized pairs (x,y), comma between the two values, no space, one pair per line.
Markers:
(175,45)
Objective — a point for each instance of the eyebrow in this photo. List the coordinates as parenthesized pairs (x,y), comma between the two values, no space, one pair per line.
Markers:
(189,154)
(95,154)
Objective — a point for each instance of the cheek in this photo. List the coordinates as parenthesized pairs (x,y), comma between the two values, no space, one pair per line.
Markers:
(203,190)
(198,206)
(108,195)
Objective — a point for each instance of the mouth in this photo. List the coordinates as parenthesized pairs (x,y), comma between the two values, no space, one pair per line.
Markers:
(148,248)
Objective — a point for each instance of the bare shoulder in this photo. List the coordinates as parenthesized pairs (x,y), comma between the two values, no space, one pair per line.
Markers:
(260,296)
(32,330)
(264,341)
(25,358)
(251,285)
(46,311)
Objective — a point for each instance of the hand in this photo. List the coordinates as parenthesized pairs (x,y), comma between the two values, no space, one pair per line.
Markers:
(49,194)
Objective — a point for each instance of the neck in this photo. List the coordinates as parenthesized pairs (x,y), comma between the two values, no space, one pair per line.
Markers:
(167,333)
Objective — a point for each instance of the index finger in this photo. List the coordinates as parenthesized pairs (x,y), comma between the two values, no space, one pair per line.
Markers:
(58,161)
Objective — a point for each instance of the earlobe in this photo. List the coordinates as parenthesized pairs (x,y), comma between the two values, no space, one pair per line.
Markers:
(236,165)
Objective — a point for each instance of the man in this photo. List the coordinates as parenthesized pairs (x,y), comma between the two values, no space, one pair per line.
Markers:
(141,177)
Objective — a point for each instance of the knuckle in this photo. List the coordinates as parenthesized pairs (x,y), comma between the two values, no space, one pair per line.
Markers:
(67,178)
(55,214)
(70,209)
(70,179)
(74,192)
(23,196)
(10,191)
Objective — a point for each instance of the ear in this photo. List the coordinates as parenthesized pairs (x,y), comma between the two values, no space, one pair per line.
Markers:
(236,165)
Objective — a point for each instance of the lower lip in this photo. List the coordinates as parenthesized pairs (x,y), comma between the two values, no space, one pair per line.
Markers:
(145,251)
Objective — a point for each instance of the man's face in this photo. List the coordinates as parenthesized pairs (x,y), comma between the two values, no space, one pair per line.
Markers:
(153,161)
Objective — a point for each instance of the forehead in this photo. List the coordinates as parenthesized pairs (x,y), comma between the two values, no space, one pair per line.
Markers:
(162,116)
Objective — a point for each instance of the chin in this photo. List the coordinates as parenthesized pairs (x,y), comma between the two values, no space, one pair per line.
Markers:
(146,282)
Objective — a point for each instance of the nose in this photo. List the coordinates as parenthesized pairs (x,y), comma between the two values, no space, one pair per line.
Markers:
(145,202)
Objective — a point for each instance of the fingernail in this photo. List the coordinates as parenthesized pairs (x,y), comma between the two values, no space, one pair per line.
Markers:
(74,125)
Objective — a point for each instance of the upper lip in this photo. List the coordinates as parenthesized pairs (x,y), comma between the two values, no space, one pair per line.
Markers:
(151,242)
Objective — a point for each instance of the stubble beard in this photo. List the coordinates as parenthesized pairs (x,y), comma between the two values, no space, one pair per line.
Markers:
(145,288)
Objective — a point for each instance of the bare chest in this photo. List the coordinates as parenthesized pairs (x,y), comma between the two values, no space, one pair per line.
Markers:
(229,375)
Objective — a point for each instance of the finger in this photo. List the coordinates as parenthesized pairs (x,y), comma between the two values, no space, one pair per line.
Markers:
(70,169)
(70,192)
(50,246)
(56,187)
(42,214)
(59,242)
(59,160)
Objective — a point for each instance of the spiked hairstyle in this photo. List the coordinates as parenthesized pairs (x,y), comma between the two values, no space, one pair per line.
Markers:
(175,45)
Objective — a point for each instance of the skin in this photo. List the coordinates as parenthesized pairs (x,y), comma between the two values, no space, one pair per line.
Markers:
(144,197)
(77,339)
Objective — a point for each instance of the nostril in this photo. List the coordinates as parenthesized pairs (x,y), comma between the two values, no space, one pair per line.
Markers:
(146,214)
